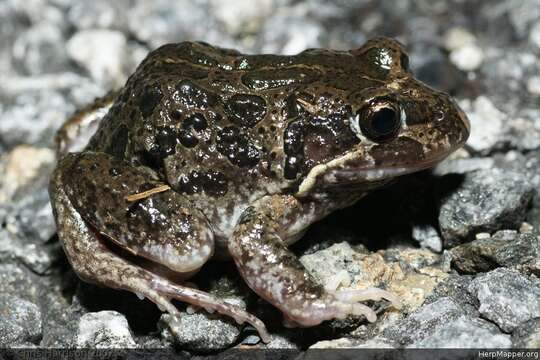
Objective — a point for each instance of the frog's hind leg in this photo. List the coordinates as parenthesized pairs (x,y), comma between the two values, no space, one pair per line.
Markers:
(277,275)
(74,134)
(83,226)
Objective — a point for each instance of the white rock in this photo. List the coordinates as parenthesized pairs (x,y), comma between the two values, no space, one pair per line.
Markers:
(533,85)
(486,123)
(302,34)
(534,35)
(20,166)
(457,38)
(104,329)
(468,57)
(428,237)
(101,52)
(242,15)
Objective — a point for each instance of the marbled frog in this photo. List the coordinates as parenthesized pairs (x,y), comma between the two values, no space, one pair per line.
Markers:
(210,153)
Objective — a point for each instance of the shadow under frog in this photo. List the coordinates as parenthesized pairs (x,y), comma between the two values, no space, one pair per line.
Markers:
(210,153)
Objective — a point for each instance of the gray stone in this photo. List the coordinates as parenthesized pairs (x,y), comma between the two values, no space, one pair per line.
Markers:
(25,209)
(507,297)
(455,287)
(98,14)
(428,237)
(534,35)
(105,66)
(33,118)
(523,131)
(465,332)
(486,201)
(20,321)
(302,33)
(506,248)
(18,280)
(487,124)
(38,258)
(40,49)
(104,330)
(241,16)
(527,335)
(164,21)
(424,321)
(463,165)
(201,331)
(327,264)
(351,343)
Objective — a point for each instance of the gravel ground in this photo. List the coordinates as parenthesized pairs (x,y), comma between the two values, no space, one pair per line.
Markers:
(459,245)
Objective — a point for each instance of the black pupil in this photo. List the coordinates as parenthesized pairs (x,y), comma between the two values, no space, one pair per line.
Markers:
(383,122)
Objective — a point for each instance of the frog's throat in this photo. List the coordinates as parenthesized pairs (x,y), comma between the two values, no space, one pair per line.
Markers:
(339,168)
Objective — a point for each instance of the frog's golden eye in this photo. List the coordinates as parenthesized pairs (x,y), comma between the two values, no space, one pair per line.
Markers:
(379,121)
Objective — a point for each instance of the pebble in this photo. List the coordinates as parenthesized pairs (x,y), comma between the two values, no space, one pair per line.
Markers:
(425,321)
(428,237)
(106,65)
(527,335)
(201,331)
(468,57)
(486,201)
(20,321)
(534,35)
(465,333)
(457,38)
(506,248)
(104,330)
(33,118)
(533,85)
(507,297)
(487,129)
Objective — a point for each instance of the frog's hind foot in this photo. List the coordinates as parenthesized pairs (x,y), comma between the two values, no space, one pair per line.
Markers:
(210,304)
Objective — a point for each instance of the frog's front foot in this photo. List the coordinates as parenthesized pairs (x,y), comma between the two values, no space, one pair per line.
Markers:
(353,296)
(338,305)
(277,275)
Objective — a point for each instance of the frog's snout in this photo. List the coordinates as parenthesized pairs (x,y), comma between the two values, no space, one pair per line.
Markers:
(460,123)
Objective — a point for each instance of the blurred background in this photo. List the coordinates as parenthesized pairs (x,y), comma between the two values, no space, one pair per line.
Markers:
(58,55)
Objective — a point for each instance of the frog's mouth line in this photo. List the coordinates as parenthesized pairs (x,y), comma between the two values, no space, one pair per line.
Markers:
(353,171)
(381,175)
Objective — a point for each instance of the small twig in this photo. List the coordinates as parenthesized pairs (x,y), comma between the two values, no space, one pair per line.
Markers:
(147,193)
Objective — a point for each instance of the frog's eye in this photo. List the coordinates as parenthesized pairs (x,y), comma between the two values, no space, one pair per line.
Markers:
(379,121)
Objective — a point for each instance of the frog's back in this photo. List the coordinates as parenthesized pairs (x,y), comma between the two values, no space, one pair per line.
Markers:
(210,119)
(209,122)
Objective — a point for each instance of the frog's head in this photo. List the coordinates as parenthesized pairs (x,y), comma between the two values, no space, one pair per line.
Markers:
(389,125)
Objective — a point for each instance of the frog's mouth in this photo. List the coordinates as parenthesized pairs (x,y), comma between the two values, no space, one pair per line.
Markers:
(378,174)
(352,173)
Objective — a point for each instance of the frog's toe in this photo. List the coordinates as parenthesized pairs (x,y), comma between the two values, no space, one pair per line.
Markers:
(210,304)
(359,310)
(354,295)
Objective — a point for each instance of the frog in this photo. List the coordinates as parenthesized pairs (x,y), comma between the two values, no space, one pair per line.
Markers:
(210,154)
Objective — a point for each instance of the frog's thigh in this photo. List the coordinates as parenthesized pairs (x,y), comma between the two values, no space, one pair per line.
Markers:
(163,227)
(77,130)
(94,262)
(277,275)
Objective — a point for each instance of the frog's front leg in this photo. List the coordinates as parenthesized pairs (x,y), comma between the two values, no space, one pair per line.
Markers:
(276,274)
(92,197)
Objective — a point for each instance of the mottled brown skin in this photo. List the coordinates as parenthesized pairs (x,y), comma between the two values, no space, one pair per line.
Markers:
(254,148)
